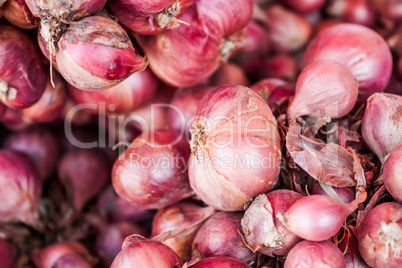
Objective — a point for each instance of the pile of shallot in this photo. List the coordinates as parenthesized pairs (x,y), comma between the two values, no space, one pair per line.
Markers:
(200,133)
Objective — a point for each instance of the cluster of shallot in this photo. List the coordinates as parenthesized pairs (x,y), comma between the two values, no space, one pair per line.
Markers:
(200,133)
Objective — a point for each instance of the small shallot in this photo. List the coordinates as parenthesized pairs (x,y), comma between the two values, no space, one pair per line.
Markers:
(392,173)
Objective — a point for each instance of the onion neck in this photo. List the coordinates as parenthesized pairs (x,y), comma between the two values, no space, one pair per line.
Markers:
(167,18)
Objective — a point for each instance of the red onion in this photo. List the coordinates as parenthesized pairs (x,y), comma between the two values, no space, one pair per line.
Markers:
(220,262)
(150,17)
(324,89)
(111,237)
(350,248)
(326,23)
(268,89)
(392,172)
(187,55)
(305,6)
(281,66)
(136,90)
(84,173)
(346,194)
(152,171)
(360,49)
(38,143)
(380,236)
(381,127)
(20,187)
(22,77)
(150,116)
(318,217)
(263,230)
(50,105)
(315,254)
(117,209)
(6,254)
(79,47)
(225,152)
(12,120)
(229,73)
(140,252)
(221,235)
(390,9)
(18,13)
(71,261)
(176,217)
(183,108)
(49,256)
(288,31)
(355,11)
(65,10)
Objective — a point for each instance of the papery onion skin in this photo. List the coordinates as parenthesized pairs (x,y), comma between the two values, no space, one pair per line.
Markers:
(211,164)
(360,49)
(350,247)
(6,254)
(47,257)
(310,254)
(324,89)
(79,47)
(111,237)
(263,230)
(221,235)
(149,18)
(140,252)
(392,173)
(138,89)
(186,56)
(18,14)
(183,108)
(84,173)
(346,194)
(220,262)
(22,76)
(39,144)
(20,188)
(176,217)
(66,10)
(317,217)
(288,31)
(116,209)
(380,236)
(152,171)
(49,107)
(305,6)
(382,128)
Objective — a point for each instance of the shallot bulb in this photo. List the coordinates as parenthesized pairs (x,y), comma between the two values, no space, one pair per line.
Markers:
(51,255)
(79,47)
(318,217)
(183,108)
(288,31)
(152,172)
(22,77)
(382,123)
(324,89)
(20,187)
(18,14)
(111,238)
(38,143)
(71,261)
(380,236)
(305,6)
(49,107)
(315,255)
(150,116)
(177,217)
(149,17)
(6,254)
(221,235)
(188,55)
(274,90)
(262,229)
(220,262)
(282,66)
(346,194)
(229,73)
(12,120)
(67,10)
(390,9)
(363,51)
(392,173)
(137,251)
(84,173)
(356,11)
(235,148)
(137,89)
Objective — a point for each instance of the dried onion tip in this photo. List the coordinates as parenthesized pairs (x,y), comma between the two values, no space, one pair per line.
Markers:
(392,173)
